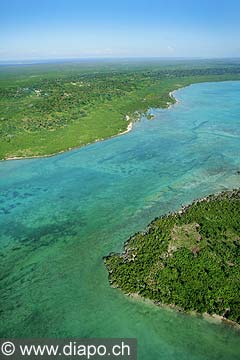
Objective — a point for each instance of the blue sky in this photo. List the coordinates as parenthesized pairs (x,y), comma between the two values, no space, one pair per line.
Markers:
(41,29)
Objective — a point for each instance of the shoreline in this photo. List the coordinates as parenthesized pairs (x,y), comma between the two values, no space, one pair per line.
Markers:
(171,95)
(129,128)
(214,318)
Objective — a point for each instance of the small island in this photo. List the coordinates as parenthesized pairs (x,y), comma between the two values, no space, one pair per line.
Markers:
(188,259)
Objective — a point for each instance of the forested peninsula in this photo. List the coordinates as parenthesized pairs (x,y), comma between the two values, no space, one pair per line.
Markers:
(49,108)
(188,259)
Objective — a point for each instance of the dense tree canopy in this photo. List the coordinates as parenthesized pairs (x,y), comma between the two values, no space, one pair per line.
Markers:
(190,258)
(45,109)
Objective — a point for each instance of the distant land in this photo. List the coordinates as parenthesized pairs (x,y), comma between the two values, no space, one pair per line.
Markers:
(47,108)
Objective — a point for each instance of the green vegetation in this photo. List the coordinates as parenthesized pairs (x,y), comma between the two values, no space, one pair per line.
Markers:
(190,259)
(48,108)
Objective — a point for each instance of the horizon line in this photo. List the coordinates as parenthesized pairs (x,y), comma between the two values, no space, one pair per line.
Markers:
(30,61)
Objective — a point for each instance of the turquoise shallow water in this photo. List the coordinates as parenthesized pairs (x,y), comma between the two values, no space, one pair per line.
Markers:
(60,215)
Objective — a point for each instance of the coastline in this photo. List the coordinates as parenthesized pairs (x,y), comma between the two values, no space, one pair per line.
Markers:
(129,128)
(214,318)
(173,97)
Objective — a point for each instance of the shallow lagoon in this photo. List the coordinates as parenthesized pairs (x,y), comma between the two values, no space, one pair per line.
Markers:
(60,215)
